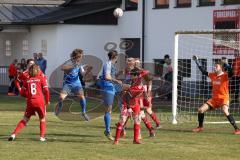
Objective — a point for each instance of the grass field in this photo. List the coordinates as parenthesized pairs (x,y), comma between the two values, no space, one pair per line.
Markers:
(85,140)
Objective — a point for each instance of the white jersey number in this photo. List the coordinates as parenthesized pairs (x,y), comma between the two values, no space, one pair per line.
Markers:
(33,89)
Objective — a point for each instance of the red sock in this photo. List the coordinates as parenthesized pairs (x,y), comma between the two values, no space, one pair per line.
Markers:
(42,128)
(136,132)
(20,125)
(118,131)
(154,118)
(147,123)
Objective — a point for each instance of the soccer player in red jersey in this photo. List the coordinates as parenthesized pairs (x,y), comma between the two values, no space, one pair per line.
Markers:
(220,94)
(147,101)
(145,76)
(34,88)
(131,107)
(25,75)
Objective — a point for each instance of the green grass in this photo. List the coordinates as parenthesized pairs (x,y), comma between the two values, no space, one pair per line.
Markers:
(85,140)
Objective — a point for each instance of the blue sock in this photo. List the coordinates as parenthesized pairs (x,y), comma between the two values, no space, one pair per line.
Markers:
(107,120)
(60,105)
(83,104)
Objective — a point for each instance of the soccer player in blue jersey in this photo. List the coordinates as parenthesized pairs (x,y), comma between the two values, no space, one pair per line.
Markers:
(109,86)
(72,83)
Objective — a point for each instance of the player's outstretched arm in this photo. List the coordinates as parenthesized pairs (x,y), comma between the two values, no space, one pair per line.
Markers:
(66,67)
(204,72)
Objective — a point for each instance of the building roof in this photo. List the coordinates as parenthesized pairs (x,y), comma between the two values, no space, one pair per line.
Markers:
(18,13)
(49,12)
(71,12)
(33,2)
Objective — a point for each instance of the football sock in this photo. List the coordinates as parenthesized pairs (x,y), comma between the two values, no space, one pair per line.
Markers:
(136,132)
(60,105)
(147,123)
(42,128)
(232,121)
(107,120)
(83,104)
(154,118)
(200,119)
(20,125)
(118,131)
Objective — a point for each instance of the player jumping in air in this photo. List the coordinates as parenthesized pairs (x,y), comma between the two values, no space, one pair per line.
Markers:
(72,83)
(220,94)
(34,88)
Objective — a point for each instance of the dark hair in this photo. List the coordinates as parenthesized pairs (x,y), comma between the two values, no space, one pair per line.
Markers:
(148,77)
(135,72)
(29,60)
(23,60)
(76,53)
(166,56)
(219,63)
(112,54)
(224,58)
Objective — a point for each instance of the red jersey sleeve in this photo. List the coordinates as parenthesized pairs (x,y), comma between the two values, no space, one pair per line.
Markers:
(23,90)
(18,81)
(45,89)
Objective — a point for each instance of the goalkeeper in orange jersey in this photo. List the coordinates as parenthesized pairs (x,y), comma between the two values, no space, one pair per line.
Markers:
(220,94)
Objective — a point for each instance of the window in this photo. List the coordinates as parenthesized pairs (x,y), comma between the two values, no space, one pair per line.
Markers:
(44,47)
(131,5)
(8,48)
(161,3)
(206,2)
(25,47)
(183,3)
(229,2)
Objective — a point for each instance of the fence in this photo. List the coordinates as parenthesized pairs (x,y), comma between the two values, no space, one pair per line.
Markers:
(4,80)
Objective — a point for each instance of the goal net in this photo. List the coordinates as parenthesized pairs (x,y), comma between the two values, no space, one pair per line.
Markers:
(191,89)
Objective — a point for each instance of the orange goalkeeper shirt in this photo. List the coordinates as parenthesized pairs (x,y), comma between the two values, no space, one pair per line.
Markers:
(220,89)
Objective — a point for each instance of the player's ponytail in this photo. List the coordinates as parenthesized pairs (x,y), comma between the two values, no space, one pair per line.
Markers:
(34,70)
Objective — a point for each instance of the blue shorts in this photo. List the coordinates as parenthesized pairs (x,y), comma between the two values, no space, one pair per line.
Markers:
(109,90)
(74,89)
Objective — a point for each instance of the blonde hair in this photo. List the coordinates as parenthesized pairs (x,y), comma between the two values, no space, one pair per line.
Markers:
(34,70)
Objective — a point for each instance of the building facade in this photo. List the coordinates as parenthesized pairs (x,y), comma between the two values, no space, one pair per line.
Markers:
(56,35)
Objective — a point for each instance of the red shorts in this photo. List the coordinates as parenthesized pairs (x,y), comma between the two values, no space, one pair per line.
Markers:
(30,111)
(147,103)
(135,109)
(217,103)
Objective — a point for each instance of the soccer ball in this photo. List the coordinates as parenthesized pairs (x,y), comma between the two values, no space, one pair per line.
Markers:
(118,12)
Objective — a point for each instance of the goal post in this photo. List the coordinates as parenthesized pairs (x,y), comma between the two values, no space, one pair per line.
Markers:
(190,88)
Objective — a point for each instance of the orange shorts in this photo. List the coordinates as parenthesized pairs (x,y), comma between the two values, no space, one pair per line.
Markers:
(217,103)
